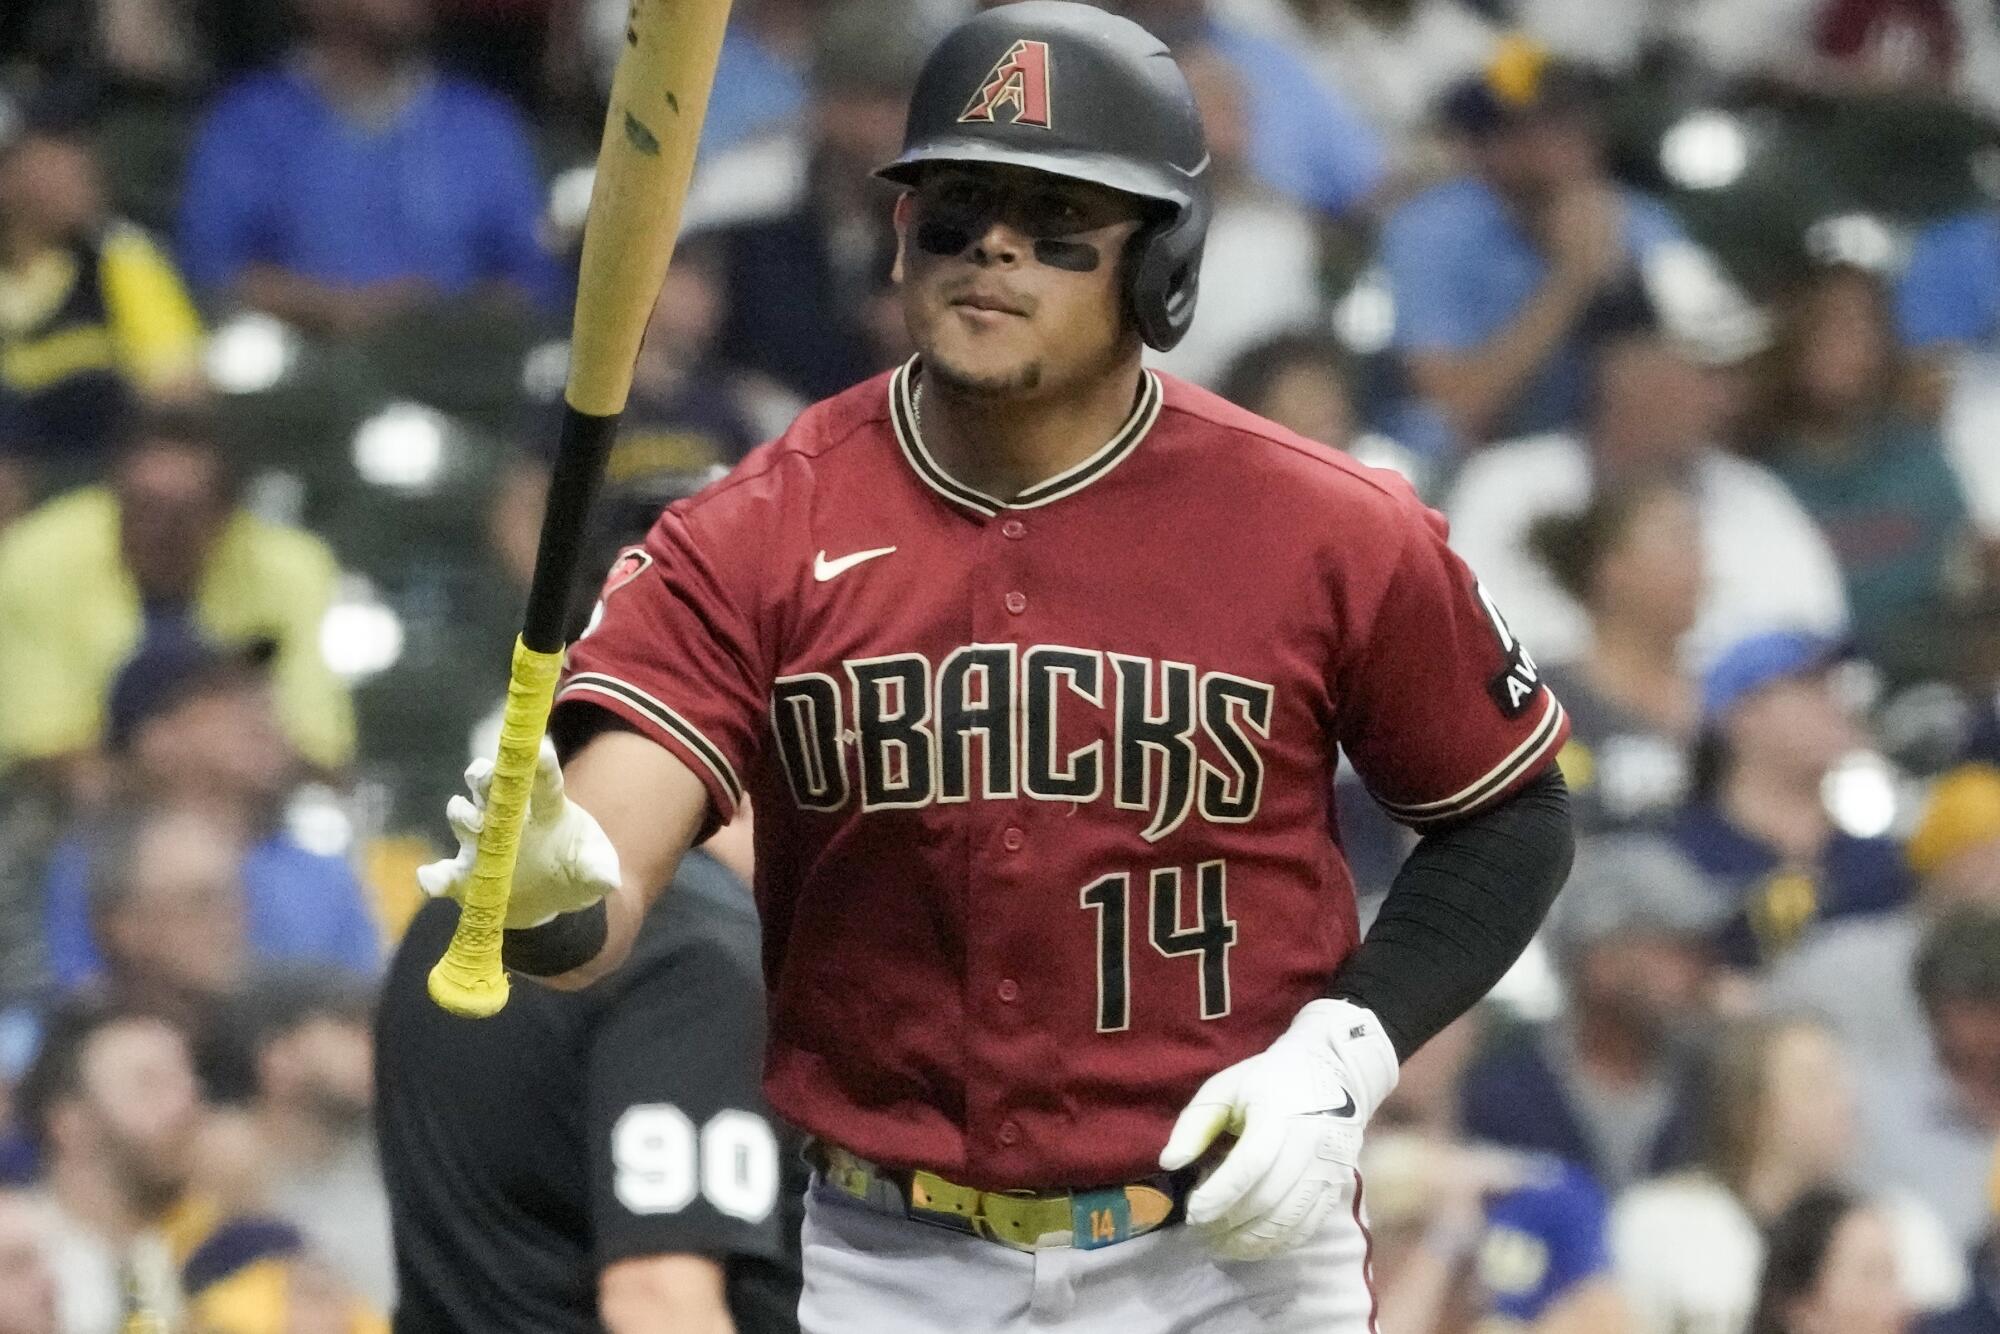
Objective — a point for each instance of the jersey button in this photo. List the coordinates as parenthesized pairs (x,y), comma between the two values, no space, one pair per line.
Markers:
(1009,989)
(1009,1133)
(1014,529)
(1017,603)
(1012,839)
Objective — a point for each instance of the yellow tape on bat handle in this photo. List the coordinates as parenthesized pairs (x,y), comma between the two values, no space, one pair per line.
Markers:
(469,980)
(659,96)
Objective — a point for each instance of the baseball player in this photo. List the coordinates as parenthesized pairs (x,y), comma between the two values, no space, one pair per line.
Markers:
(1036,666)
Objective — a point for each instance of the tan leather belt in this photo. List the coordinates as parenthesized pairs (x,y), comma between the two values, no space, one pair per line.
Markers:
(1023,1220)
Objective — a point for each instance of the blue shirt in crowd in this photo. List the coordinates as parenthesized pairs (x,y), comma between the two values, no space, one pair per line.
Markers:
(1950,291)
(447,190)
(302,907)
(1775,903)
(1305,142)
(755,90)
(1542,1240)
(1461,268)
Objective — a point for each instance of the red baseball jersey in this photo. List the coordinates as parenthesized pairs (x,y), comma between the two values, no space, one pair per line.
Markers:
(1043,789)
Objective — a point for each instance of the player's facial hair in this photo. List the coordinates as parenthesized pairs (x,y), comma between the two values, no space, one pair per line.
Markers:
(968,384)
(1031,376)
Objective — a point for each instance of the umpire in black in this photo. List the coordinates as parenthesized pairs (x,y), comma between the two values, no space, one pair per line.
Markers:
(592,1161)
(598,1160)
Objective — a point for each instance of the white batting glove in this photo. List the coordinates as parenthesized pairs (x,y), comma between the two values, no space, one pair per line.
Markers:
(1298,1109)
(565,861)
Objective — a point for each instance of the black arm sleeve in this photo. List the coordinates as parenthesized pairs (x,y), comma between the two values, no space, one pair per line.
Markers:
(1460,912)
(569,940)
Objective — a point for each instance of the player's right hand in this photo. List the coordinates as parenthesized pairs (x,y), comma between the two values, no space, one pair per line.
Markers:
(565,861)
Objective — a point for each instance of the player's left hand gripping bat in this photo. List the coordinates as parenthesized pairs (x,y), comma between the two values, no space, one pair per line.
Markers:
(658,98)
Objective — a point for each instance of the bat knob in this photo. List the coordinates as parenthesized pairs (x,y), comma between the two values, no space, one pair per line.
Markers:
(468,993)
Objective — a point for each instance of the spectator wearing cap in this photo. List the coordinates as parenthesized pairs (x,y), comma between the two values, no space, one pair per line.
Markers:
(355,182)
(803,227)
(1778,1119)
(1632,560)
(93,318)
(1495,273)
(1656,414)
(301,1147)
(195,726)
(1775,722)
(164,548)
(1610,1083)
(1872,475)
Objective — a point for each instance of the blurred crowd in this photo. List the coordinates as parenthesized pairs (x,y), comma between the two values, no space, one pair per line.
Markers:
(1685,312)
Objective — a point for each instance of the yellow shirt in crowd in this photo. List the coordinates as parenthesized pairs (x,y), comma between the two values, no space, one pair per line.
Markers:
(130,315)
(70,617)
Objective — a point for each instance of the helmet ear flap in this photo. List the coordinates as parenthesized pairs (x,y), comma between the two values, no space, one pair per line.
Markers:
(1163,274)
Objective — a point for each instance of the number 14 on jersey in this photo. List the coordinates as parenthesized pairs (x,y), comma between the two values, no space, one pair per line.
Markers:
(1214,932)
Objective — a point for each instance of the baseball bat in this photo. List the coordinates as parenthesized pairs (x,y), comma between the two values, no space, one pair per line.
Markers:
(659,95)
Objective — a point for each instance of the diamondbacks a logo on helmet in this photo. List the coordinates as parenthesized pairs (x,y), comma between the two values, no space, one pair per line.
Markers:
(1017,84)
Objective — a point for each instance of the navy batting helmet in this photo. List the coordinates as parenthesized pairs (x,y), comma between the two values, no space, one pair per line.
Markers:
(1068,89)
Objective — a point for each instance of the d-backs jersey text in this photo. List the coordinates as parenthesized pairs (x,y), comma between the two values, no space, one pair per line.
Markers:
(1043,789)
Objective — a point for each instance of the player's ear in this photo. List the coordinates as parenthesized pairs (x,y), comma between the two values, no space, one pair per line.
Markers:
(904,204)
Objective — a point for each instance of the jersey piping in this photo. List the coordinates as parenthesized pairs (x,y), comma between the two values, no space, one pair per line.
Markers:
(903,417)
(597,683)
(1517,765)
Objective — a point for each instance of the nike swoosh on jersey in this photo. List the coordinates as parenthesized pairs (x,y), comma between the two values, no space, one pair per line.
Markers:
(1346,1109)
(824,569)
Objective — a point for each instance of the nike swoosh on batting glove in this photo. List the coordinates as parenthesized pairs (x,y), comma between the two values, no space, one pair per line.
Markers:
(1298,1110)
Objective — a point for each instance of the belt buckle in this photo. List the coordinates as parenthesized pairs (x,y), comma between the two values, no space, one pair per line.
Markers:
(1024,1219)
(1018,1219)
(944,1203)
